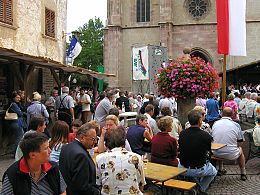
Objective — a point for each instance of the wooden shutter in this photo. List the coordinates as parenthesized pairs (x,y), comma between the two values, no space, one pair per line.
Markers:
(49,23)
(6,11)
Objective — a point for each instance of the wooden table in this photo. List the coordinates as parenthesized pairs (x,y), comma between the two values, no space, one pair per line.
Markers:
(216,146)
(125,115)
(161,173)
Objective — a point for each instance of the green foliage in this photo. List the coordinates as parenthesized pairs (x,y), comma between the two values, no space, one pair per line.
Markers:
(91,39)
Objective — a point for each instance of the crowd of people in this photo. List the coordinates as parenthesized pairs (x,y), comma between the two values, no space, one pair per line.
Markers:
(58,160)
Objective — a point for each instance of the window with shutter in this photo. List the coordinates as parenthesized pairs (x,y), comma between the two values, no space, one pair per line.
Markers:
(49,23)
(6,11)
(143,10)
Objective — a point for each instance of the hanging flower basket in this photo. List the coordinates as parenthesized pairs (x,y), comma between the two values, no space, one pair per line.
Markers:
(187,78)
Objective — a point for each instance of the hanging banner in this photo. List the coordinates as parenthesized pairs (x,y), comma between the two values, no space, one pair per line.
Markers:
(140,63)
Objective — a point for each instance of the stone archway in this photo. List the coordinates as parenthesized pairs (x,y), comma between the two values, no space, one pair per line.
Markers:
(202,53)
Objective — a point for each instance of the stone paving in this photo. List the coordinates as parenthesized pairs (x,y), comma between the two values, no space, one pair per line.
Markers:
(229,184)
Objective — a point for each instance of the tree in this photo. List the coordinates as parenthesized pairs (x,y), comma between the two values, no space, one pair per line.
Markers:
(91,39)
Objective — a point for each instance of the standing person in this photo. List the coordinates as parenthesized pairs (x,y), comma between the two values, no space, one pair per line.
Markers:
(16,126)
(51,104)
(237,98)
(34,174)
(59,137)
(232,104)
(118,170)
(250,108)
(84,101)
(200,101)
(76,164)
(37,108)
(226,131)
(37,125)
(156,108)
(123,99)
(164,147)
(212,110)
(103,107)
(242,106)
(195,147)
(65,106)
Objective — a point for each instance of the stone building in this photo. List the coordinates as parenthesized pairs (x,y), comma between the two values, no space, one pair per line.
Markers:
(32,37)
(174,24)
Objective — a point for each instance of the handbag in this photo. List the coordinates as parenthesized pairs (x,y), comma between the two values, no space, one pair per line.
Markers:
(10,116)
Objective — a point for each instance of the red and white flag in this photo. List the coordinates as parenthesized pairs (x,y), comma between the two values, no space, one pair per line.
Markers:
(231,25)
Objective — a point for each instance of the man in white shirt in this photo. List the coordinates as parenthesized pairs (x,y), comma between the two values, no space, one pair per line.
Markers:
(242,107)
(226,131)
(149,110)
(85,101)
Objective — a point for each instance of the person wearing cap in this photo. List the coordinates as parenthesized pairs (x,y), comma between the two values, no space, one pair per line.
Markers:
(65,106)
(37,108)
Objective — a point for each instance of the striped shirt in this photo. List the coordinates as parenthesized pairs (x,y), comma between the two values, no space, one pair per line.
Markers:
(41,186)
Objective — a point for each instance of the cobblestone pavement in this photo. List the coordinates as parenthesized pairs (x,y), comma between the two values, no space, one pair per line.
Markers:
(229,184)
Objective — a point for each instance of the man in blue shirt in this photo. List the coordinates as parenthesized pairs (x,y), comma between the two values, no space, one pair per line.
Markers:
(212,110)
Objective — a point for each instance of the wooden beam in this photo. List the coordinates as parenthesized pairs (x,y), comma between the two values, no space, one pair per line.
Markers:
(55,76)
(18,75)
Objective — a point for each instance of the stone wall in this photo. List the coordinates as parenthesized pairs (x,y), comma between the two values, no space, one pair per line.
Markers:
(173,27)
(26,35)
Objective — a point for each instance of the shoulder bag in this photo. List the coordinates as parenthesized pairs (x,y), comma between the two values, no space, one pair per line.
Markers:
(10,116)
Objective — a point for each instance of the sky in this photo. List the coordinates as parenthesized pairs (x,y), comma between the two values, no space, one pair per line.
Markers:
(80,11)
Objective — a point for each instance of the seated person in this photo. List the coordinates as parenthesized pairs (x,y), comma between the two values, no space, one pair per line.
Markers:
(226,131)
(59,137)
(119,171)
(37,125)
(111,122)
(164,147)
(195,147)
(137,133)
(34,173)
(176,125)
(76,124)
(256,133)
(204,126)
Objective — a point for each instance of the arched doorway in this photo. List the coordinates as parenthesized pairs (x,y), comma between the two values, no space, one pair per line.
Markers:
(202,53)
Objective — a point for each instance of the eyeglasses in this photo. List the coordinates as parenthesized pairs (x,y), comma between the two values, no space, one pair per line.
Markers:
(94,139)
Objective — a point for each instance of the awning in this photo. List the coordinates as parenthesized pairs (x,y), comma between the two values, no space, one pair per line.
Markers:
(44,62)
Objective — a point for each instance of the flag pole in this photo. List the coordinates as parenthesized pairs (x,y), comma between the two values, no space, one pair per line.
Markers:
(224,80)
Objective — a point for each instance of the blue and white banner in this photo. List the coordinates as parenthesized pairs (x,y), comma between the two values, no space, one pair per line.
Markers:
(73,51)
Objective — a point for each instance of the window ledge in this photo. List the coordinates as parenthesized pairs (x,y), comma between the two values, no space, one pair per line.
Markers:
(48,37)
(8,26)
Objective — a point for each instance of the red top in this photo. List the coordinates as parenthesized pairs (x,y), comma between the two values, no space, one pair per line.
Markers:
(71,137)
(164,149)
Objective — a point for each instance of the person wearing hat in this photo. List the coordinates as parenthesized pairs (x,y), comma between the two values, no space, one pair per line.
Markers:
(37,108)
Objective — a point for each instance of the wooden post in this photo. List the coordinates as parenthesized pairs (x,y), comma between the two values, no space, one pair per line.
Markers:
(224,80)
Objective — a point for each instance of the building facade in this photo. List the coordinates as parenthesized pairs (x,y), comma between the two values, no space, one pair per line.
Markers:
(174,24)
(31,31)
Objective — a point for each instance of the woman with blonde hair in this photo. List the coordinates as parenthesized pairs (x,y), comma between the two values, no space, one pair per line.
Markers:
(59,137)
(112,122)
(204,126)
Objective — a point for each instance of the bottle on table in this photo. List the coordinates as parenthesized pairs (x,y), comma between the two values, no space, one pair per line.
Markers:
(123,107)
